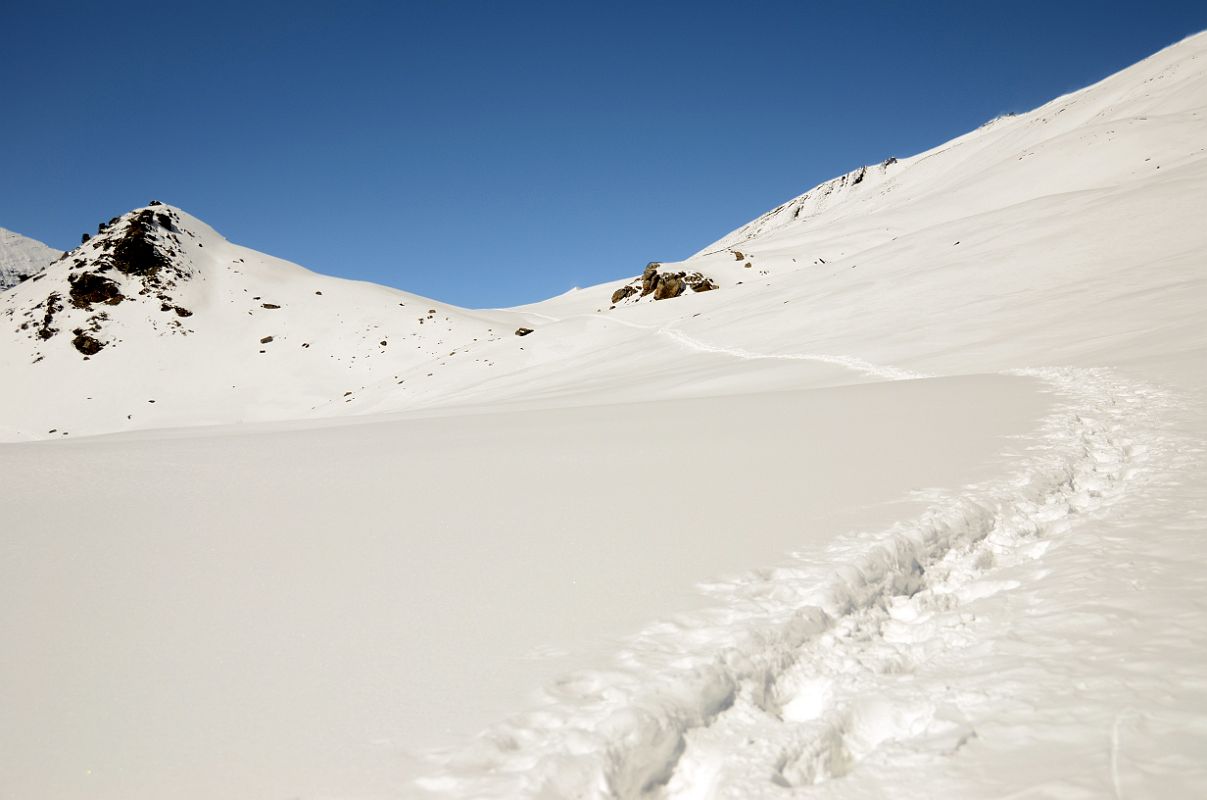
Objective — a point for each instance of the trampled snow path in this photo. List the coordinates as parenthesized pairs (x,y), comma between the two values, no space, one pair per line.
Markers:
(850,362)
(783,682)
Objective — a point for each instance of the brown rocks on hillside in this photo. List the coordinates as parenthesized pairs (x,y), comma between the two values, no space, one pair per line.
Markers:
(663,285)
(670,284)
(88,345)
(136,252)
(623,292)
(649,278)
(88,288)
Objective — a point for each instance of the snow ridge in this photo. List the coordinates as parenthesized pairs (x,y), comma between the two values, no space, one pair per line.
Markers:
(826,195)
(771,664)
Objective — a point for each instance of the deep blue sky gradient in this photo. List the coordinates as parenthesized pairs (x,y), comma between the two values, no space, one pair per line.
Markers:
(489,153)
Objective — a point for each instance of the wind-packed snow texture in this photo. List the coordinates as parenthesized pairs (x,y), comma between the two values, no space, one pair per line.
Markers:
(913,504)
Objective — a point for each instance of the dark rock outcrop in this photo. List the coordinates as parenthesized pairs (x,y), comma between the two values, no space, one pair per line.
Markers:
(88,288)
(53,305)
(88,345)
(136,252)
(523,331)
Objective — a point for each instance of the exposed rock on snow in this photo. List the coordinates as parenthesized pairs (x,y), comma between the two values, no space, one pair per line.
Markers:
(87,344)
(90,287)
(135,256)
(662,284)
(699,283)
(136,297)
(623,292)
(649,278)
(670,284)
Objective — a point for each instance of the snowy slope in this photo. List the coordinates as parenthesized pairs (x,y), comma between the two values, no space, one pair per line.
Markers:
(915,498)
(160,321)
(21,257)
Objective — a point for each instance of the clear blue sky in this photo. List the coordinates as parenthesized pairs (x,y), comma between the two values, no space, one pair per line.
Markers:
(489,153)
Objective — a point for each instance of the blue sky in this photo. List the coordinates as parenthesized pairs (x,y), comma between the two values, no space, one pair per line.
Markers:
(489,153)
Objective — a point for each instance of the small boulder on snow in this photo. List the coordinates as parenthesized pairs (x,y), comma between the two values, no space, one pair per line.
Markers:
(649,278)
(670,284)
(623,292)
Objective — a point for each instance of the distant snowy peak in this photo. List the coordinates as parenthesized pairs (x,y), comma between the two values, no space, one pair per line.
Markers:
(21,257)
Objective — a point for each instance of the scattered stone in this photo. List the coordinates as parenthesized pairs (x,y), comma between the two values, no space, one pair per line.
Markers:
(523,331)
(623,292)
(266,340)
(53,306)
(87,345)
(269,306)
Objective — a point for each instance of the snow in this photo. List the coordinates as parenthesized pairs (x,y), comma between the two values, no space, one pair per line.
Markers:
(911,506)
(21,257)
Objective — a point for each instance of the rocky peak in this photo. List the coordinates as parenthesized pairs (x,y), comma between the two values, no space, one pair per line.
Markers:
(138,257)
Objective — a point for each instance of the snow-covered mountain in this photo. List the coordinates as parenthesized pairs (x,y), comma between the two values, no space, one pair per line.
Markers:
(159,321)
(910,494)
(1084,182)
(21,257)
